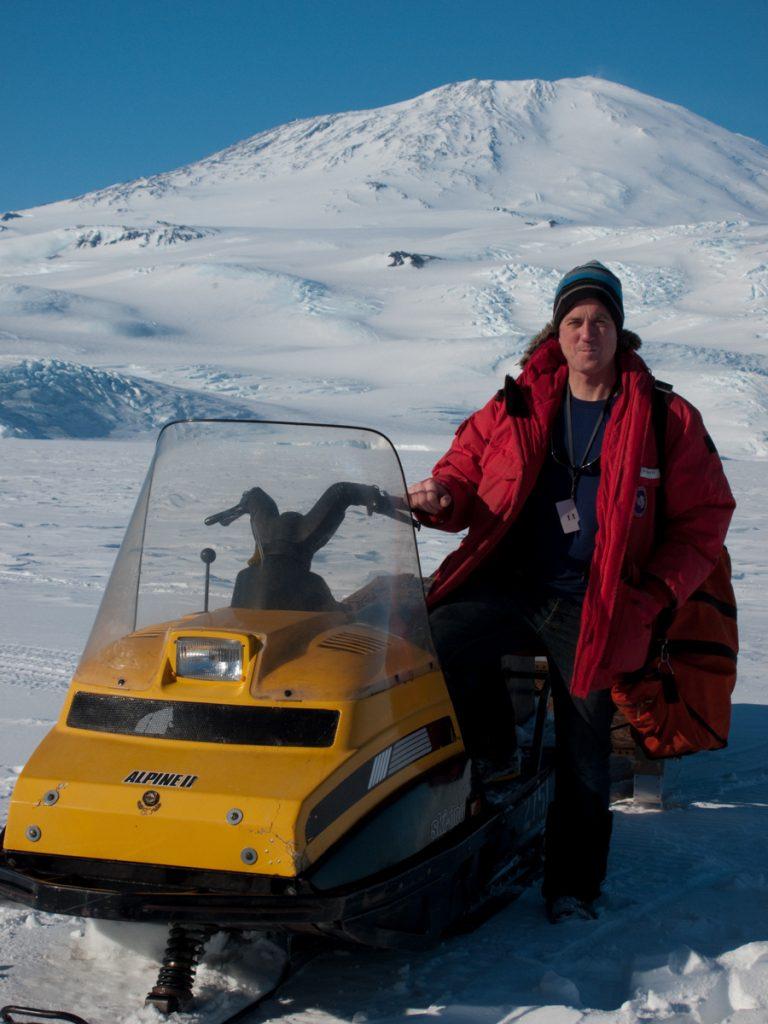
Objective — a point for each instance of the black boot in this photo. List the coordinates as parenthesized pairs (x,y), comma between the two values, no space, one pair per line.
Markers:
(575,853)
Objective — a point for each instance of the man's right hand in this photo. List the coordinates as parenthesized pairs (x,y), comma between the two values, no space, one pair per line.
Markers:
(429,496)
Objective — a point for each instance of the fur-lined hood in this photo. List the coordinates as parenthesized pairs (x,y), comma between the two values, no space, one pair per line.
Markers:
(628,340)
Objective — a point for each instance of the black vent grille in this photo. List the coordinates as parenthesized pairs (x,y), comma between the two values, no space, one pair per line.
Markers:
(354,643)
(203,722)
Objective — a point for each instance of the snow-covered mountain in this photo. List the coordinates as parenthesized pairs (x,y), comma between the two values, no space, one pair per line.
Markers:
(387,266)
(574,150)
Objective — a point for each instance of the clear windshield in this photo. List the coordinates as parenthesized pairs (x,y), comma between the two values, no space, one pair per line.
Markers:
(278,517)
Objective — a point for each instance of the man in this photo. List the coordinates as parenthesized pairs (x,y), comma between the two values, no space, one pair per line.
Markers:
(556,479)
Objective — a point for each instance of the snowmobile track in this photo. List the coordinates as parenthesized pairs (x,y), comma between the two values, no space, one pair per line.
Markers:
(293,966)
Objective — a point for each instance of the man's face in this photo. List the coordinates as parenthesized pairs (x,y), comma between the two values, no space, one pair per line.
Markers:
(588,338)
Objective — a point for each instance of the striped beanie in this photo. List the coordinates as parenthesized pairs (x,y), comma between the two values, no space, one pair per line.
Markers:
(590,281)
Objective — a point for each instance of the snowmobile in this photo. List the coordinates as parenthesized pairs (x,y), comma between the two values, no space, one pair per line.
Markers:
(258,734)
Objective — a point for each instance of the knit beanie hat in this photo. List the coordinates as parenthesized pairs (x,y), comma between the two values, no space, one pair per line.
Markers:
(590,281)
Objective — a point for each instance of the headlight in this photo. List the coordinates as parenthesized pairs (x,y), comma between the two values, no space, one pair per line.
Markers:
(199,657)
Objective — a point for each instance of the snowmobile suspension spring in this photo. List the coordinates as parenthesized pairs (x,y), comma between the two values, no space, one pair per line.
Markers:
(177,975)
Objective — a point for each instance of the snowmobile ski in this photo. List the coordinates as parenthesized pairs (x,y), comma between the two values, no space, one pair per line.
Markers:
(10,1015)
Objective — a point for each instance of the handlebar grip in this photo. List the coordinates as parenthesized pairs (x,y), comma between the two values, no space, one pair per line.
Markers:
(393,507)
(229,515)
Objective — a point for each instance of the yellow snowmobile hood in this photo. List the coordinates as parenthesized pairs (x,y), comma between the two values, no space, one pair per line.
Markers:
(261,775)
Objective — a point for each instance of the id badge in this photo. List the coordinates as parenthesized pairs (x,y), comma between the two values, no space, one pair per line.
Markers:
(568,515)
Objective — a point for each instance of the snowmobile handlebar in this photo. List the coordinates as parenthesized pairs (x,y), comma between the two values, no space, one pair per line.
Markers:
(341,495)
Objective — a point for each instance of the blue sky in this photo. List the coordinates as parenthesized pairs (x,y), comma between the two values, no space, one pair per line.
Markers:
(98,91)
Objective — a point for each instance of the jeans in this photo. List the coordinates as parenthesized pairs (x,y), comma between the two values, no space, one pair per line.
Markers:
(473,629)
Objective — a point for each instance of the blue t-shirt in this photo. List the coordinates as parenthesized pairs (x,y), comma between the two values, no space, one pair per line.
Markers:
(550,558)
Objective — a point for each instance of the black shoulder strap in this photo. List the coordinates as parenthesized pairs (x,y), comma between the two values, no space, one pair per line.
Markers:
(659,416)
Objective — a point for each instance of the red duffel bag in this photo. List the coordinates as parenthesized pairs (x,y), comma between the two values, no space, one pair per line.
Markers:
(680,701)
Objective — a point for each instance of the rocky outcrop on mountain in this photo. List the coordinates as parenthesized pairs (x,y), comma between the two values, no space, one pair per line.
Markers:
(161,235)
(399,258)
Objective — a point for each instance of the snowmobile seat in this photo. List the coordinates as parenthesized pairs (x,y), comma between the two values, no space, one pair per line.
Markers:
(287,586)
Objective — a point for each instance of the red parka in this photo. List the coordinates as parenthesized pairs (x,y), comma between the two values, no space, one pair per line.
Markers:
(494,462)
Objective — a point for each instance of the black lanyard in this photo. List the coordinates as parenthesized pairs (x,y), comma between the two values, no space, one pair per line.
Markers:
(573,469)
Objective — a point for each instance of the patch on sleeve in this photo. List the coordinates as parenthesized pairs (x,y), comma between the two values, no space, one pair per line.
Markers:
(650,473)
(710,444)
(641,502)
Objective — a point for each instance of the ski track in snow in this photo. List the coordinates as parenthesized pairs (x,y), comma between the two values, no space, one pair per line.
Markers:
(36,668)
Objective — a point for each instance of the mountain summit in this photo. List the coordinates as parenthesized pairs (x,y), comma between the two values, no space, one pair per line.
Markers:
(582,150)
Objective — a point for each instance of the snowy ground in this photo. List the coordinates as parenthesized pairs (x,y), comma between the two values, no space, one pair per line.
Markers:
(683,931)
(258,283)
